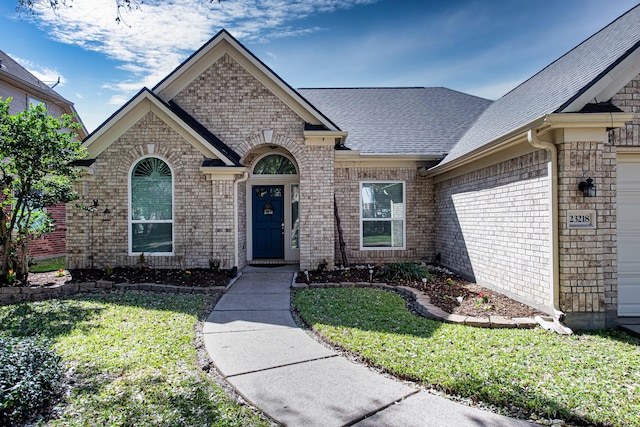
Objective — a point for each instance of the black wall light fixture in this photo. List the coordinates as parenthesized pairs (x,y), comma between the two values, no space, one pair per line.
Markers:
(587,188)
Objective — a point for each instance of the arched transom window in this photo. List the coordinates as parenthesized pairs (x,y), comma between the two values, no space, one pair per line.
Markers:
(275,164)
(151,212)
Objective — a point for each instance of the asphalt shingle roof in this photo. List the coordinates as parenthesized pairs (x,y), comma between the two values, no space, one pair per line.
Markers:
(556,86)
(427,121)
(18,72)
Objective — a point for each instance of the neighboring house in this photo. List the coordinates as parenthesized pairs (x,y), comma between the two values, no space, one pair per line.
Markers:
(25,89)
(223,160)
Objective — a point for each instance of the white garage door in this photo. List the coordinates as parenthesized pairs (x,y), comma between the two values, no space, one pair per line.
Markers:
(629,236)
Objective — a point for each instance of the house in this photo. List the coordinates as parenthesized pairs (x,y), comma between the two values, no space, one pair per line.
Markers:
(24,88)
(533,195)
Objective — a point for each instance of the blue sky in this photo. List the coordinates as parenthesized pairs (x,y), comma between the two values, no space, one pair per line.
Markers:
(482,47)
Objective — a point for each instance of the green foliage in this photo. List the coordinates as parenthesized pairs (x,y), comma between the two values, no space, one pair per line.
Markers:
(403,271)
(37,151)
(132,360)
(29,374)
(586,379)
(48,264)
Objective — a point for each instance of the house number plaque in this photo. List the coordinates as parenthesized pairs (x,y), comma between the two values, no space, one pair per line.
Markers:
(581,219)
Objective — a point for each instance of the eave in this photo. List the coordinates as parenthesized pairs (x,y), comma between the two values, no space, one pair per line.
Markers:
(543,124)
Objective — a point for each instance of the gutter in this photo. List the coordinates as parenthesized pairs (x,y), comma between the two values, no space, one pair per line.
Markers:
(236,244)
(553,323)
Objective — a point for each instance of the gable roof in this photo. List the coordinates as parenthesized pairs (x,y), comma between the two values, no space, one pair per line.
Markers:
(411,120)
(592,72)
(146,101)
(20,77)
(224,43)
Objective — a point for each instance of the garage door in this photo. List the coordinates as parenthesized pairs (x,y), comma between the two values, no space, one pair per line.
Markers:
(629,236)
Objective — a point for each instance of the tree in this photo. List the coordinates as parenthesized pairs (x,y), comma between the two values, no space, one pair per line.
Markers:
(36,171)
(128,5)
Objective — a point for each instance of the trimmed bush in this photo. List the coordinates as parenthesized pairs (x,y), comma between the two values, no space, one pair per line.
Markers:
(29,375)
(403,271)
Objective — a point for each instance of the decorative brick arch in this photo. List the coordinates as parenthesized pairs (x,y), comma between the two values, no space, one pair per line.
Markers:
(248,154)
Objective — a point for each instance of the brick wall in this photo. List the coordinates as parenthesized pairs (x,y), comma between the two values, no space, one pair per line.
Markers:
(51,244)
(493,226)
(198,212)
(420,217)
(237,108)
(587,257)
(316,207)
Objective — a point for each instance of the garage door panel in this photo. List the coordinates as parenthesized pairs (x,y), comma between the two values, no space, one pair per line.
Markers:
(628,212)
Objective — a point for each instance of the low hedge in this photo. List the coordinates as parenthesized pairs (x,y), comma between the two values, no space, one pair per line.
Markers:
(29,375)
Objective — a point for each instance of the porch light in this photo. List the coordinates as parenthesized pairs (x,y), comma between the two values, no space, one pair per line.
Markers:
(587,188)
(96,204)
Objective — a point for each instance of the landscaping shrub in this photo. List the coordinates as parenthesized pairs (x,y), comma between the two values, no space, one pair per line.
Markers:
(29,374)
(403,271)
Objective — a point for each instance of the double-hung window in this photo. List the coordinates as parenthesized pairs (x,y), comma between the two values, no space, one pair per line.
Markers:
(382,215)
(151,208)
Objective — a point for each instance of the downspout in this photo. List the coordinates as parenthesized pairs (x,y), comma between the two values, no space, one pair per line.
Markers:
(554,323)
(236,244)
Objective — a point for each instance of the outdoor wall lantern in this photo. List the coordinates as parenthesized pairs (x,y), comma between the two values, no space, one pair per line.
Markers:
(587,188)
(96,205)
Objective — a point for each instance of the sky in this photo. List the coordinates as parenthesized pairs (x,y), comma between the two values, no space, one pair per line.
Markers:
(481,47)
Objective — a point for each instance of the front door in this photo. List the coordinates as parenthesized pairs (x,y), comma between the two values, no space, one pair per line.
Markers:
(268,221)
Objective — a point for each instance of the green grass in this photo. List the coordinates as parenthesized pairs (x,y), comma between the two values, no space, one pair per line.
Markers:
(132,360)
(587,377)
(49,264)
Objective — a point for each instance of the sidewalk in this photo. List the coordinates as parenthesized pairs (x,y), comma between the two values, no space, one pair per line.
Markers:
(255,344)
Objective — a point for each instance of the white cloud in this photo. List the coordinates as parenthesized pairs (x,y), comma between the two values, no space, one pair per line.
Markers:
(48,76)
(152,41)
(118,100)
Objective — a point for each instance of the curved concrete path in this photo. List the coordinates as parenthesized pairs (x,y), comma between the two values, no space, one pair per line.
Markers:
(255,344)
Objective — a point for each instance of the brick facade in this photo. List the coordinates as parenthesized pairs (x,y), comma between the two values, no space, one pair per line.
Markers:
(95,239)
(493,226)
(236,107)
(51,244)
(587,257)
(420,218)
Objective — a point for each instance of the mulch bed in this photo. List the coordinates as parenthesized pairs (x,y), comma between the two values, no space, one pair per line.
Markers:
(444,290)
(194,277)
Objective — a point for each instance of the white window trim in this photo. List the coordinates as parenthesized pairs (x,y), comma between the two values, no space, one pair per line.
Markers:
(403,218)
(36,101)
(130,221)
(267,177)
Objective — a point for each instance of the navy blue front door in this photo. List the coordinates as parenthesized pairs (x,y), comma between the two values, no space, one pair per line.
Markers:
(268,221)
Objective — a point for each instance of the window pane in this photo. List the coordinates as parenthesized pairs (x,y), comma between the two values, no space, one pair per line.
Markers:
(151,197)
(382,234)
(275,164)
(295,221)
(382,200)
(151,237)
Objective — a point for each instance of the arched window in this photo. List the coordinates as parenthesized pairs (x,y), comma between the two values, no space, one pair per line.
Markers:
(275,164)
(151,212)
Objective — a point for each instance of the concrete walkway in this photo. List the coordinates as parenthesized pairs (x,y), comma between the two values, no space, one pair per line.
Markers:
(255,344)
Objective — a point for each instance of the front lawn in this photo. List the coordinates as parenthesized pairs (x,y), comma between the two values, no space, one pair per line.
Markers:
(589,378)
(131,360)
